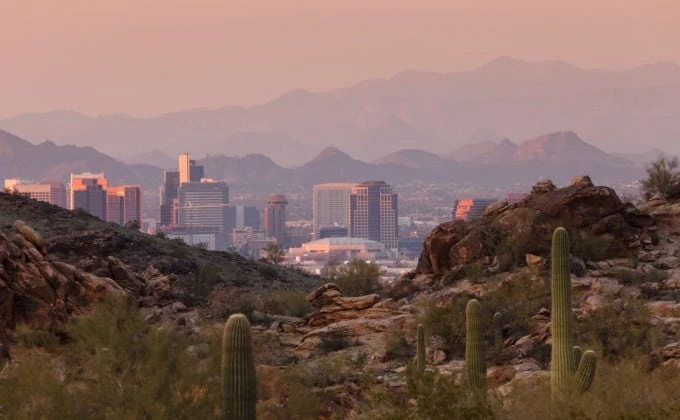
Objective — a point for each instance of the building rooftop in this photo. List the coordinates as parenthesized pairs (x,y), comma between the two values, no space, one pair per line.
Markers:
(344,241)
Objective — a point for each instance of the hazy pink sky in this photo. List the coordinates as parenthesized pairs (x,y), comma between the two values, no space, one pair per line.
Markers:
(144,57)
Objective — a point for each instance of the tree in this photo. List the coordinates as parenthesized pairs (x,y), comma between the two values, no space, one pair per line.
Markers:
(356,278)
(663,178)
(274,253)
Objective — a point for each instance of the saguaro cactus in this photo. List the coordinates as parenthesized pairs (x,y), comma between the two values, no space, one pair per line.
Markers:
(475,358)
(239,386)
(571,368)
(421,349)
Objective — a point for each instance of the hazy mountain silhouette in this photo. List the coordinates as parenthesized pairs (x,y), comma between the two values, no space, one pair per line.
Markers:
(437,112)
(154,158)
(48,162)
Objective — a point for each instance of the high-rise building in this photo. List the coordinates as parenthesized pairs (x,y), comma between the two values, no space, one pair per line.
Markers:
(240,217)
(470,208)
(189,171)
(169,193)
(373,213)
(49,192)
(87,191)
(330,206)
(124,204)
(203,204)
(274,218)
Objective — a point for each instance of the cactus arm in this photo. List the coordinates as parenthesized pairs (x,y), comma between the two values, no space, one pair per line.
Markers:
(585,373)
(577,354)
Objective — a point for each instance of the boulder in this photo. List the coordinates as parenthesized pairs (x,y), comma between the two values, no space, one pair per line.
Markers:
(604,222)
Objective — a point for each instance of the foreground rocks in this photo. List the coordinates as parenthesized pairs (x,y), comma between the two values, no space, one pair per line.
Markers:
(43,292)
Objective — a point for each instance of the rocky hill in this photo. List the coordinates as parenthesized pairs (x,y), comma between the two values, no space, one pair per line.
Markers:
(57,262)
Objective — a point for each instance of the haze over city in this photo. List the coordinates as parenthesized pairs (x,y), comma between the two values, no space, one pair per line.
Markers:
(147,58)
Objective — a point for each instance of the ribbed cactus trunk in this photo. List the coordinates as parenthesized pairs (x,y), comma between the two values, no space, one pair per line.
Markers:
(563,363)
(421,349)
(571,369)
(475,357)
(239,387)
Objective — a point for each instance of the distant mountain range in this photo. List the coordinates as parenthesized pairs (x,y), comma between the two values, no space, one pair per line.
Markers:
(437,112)
(48,162)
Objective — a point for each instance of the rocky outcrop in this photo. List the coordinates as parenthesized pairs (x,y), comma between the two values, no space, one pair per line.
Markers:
(42,292)
(594,215)
(350,317)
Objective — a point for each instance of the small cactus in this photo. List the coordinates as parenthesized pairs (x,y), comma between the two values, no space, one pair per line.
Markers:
(475,358)
(571,368)
(239,387)
(421,348)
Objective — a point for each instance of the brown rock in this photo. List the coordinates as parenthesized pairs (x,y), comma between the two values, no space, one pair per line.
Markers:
(30,235)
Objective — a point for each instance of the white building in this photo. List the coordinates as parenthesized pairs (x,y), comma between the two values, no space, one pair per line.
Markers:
(330,205)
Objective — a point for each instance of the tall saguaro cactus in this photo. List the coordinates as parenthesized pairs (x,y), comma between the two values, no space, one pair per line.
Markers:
(571,369)
(421,349)
(239,387)
(475,357)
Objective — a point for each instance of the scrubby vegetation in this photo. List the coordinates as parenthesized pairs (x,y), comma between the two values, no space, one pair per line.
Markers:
(663,178)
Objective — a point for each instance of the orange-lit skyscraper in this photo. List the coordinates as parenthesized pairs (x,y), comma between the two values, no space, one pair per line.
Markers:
(124,204)
(87,191)
(373,213)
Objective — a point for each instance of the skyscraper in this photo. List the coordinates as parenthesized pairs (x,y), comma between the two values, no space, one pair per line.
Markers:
(470,208)
(188,170)
(373,213)
(274,218)
(168,196)
(203,204)
(87,191)
(330,206)
(124,204)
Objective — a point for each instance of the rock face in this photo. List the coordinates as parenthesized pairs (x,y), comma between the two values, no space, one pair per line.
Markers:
(41,291)
(351,317)
(594,213)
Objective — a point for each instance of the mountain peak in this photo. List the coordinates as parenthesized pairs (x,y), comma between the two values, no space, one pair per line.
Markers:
(331,152)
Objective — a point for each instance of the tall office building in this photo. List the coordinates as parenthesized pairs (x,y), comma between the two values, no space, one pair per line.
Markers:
(87,191)
(240,217)
(169,193)
(274,218)
(330,206)
(49,192)
(470,208)
(124,204)
(189,171)
(203,204)
(373,213)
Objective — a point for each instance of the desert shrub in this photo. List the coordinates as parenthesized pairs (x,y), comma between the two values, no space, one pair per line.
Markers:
(115,366)
(618,329)
(429,395)
(626,275)
(446,321)
(397,346)
(356,278)
(40,337)
(225,302)
(334,340)
(516,301)
(288,303)
(663,178)
(268,271)
(656,276)
(622,390)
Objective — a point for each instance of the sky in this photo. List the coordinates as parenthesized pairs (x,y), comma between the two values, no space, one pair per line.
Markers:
(147,57)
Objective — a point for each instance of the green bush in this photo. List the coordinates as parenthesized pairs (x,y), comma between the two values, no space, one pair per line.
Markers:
(663,178)
(356,278)
(397,347)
